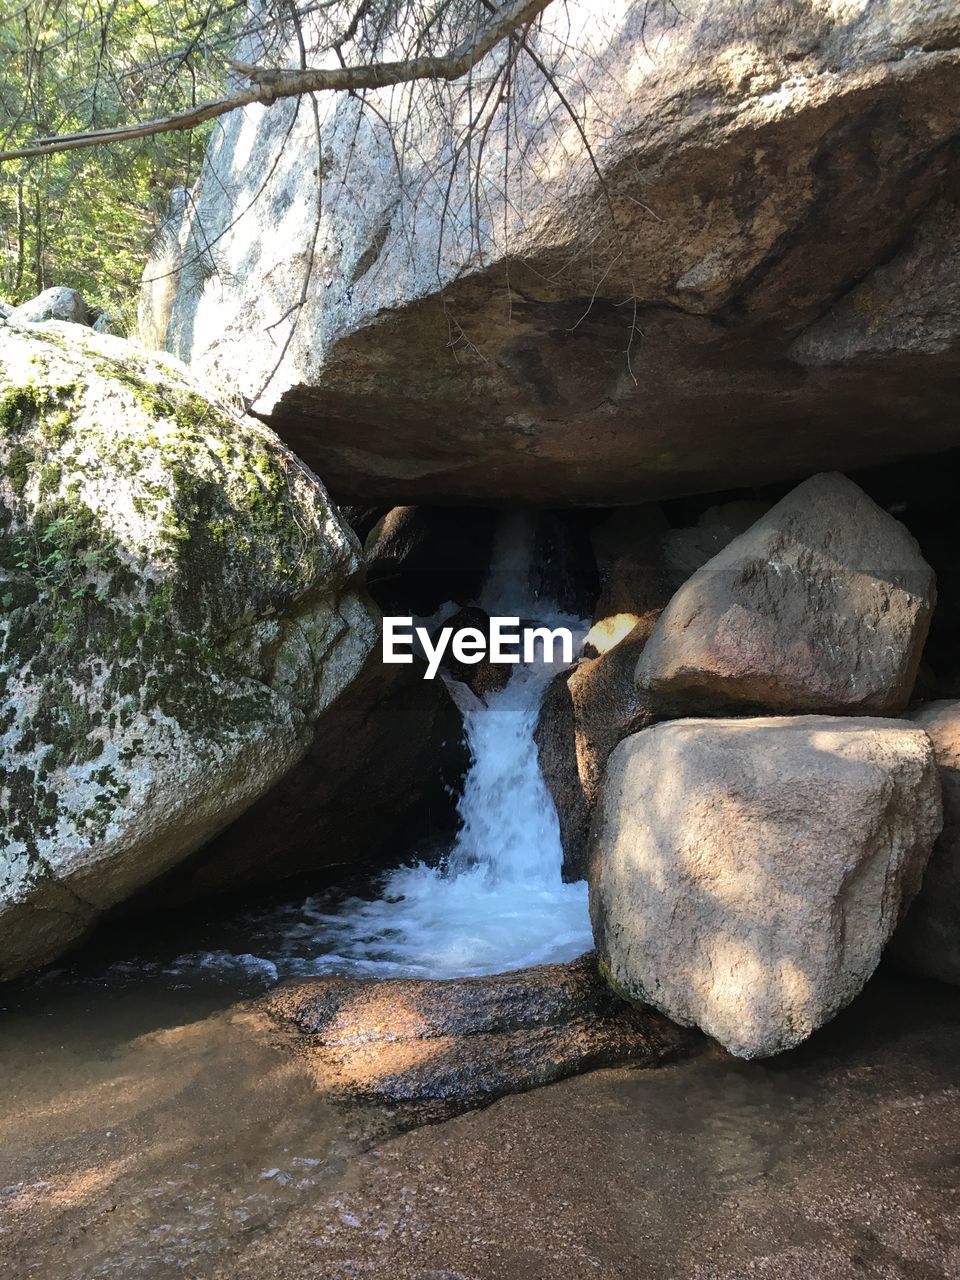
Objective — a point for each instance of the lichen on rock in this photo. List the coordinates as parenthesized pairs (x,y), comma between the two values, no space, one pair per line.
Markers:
(177,606)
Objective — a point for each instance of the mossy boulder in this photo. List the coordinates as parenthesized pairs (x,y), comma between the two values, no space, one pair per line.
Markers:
(178,605)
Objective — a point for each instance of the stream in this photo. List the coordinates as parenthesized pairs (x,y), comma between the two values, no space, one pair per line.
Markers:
(149,1129)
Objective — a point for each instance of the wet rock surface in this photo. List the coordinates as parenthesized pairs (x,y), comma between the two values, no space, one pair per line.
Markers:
(146,1134)
(837,1162)
(440,1047)
(583,717)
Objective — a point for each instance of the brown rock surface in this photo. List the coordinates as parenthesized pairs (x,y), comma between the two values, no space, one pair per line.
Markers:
(142,1135)
(822,605)
(929,938)
(838,1163)
(483,677)
(583,717)
(442,1046)
(746,875)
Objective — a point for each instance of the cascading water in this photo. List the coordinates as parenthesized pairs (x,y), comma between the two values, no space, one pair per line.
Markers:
(497,901)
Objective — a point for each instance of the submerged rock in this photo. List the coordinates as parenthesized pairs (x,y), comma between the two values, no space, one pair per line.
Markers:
(180,607)
(929,938)
(747,874)
(822,605)
(762,232)
(446,1045)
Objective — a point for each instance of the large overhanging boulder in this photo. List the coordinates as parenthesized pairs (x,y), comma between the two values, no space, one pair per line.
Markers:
(179,607)
(762,236)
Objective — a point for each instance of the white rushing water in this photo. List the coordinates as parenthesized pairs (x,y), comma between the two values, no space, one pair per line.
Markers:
(497,901)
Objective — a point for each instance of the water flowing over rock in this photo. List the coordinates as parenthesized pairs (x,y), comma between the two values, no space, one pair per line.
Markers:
(445,1046)
(180,607)
(495,899)
(822,605)
(929,938)
(747,874)
(763,232)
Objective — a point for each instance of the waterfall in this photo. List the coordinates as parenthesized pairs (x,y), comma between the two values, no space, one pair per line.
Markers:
(497,901)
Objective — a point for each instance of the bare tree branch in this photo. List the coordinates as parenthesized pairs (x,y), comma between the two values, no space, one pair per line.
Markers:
(268,85)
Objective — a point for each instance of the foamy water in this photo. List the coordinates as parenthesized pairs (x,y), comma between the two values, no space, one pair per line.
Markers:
(497,901)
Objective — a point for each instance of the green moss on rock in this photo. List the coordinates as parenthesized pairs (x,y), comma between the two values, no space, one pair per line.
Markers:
(143,529)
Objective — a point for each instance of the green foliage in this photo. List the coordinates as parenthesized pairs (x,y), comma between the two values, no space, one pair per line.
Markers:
(86,218)
(61,554)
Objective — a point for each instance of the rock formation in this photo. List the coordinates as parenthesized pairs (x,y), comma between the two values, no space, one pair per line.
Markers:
(749,271)
(481,678)
(445,1046)
(419,558)
(822,605)
(380,778)
(929,938)
(56,303)
(747,874)
(180,607)
(583,717)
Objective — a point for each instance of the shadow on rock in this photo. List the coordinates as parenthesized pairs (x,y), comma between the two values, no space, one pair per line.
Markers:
(441,1047)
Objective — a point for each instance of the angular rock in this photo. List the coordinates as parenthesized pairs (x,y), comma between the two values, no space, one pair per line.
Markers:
(823,605)
(482,677)
(929,938)
(583,717)
(642,562)
(57,303)
(747,874)
(444,1046)
(752,171)
(684,551)
(180,606)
